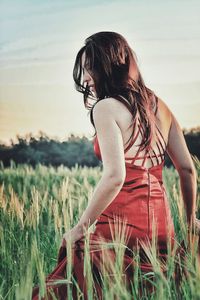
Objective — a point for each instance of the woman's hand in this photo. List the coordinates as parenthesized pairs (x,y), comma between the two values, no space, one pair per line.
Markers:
(71,236)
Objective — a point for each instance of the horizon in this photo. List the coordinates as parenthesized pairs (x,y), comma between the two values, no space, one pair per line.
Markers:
(66,138)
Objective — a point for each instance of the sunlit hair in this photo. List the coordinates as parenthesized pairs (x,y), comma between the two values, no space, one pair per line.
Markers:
(107,59)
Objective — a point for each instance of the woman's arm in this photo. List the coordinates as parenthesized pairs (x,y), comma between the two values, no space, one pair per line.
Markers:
(106,190)
(112,153)
(181,158)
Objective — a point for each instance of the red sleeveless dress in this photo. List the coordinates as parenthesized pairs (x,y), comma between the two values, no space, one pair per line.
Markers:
(140,206)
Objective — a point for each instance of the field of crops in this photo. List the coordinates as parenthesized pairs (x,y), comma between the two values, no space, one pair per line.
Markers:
(38,205)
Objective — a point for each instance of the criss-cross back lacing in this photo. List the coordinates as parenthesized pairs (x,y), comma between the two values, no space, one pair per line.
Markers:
(153,156)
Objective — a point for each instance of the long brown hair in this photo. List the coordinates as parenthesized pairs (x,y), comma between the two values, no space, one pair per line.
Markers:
(107,58)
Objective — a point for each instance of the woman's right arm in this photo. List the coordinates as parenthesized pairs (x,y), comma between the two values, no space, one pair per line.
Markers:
(181,158)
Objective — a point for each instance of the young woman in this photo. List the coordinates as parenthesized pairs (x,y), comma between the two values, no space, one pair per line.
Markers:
(134,129)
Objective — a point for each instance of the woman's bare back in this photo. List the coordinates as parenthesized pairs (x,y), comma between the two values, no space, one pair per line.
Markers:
(160,136)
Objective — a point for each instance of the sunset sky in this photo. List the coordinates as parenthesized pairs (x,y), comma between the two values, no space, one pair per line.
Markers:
(39,41)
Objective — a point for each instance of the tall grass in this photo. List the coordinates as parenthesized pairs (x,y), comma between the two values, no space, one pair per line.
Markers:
(38,205)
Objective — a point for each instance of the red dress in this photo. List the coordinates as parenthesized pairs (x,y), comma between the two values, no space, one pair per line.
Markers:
(141,202)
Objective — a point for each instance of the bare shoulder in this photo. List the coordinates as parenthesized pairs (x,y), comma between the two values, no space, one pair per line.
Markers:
(162,106)
(105,106)
(104,102)
(111,105)
(164,114)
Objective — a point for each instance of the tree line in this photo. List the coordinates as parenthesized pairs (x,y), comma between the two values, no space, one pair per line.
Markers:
(74,150)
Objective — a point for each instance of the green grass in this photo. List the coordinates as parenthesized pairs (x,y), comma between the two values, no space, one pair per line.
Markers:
(38,205)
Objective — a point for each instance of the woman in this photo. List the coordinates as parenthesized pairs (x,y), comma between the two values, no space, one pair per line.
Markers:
(134,129)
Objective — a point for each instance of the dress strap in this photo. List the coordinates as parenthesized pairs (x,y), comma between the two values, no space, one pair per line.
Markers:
(156,105)
(155,156)
(139,148)
(134,138)
(161,135)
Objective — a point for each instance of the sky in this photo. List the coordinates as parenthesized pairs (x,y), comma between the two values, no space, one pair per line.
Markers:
(40,39)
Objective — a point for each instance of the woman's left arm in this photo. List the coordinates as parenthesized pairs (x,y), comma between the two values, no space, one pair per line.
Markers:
(114,171)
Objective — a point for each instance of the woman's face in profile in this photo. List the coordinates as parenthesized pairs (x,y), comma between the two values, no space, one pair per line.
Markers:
(87,78)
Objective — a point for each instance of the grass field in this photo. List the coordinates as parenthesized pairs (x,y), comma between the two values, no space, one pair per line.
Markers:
(38,205)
